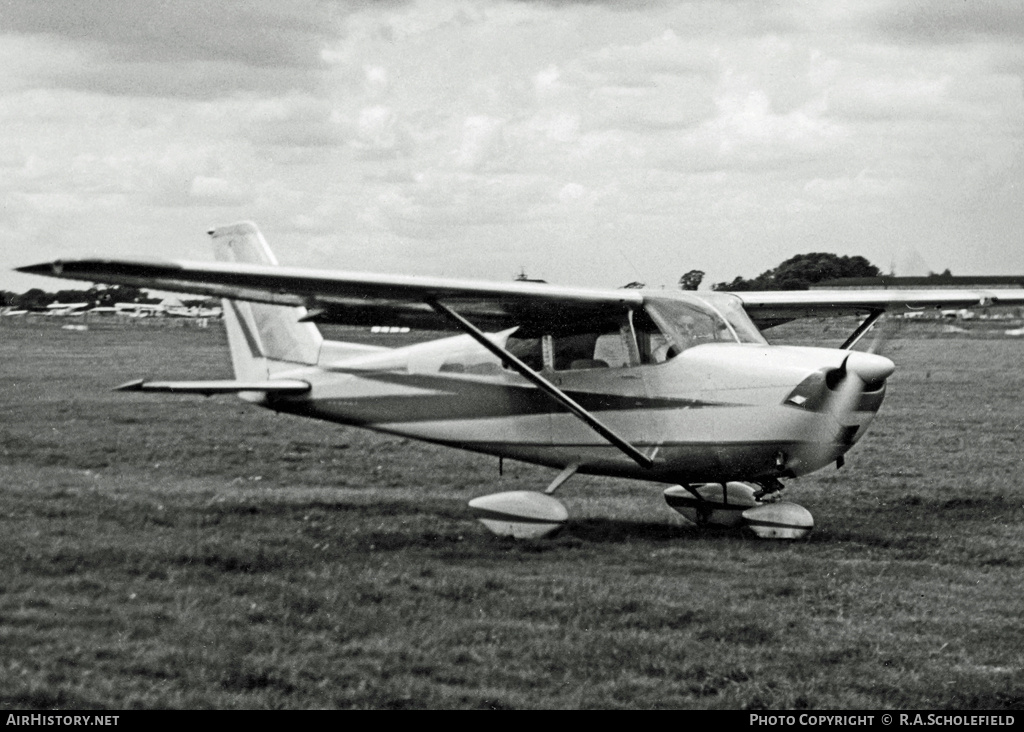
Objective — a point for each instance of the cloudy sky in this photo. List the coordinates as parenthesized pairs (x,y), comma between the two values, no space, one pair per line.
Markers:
(584,142)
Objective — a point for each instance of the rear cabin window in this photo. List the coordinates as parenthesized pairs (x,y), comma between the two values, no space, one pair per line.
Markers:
(609,345)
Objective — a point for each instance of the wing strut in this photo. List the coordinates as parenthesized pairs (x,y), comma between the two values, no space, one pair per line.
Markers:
(532,376)
(857,334)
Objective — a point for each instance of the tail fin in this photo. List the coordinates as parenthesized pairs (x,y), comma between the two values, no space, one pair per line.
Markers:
(262,337)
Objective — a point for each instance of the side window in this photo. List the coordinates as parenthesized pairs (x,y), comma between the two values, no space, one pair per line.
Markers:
(609,345)
(576,352)
(611,348)
(678,326)
(527,350)
(471,360)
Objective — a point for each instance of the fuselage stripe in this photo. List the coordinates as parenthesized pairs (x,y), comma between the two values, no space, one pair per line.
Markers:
(483,513)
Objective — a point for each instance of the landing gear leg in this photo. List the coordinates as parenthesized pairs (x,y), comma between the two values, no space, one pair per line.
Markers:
(570,470)
(770,490)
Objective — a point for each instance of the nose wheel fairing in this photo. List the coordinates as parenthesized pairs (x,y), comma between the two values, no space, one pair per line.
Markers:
(738,505)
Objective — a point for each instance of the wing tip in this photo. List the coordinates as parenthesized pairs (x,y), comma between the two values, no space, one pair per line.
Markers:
(45,268)
(133,385)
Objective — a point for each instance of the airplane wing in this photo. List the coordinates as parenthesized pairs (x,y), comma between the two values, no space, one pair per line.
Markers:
(359,298)
(768,308)
(354,298)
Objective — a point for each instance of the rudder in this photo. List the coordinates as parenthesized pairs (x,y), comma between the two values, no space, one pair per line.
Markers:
(261,335)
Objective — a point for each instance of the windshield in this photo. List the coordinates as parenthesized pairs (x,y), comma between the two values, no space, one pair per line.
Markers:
(676,324)
(732,308)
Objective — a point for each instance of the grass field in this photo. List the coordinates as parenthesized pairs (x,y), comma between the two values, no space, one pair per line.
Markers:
(164,551)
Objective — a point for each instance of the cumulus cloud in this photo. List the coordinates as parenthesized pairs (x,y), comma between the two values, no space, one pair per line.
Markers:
(883,97)
(438,202)
(183,49)
(951,21)
(555,126)
(209,191)
(867,183)
(293,120)
(746,134)
(481,142)
(262,33)
(665,54)
(379,134)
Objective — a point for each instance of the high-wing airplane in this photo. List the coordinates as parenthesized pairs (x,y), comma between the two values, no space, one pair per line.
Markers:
(666,386)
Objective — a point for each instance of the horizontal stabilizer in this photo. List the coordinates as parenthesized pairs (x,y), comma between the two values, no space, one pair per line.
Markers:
(227,386)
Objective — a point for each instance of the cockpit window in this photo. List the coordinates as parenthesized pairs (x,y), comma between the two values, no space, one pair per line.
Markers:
(670,325)
(684,325)
(732,308)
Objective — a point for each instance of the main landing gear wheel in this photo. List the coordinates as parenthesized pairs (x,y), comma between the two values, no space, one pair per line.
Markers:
(525,514)
(741,505)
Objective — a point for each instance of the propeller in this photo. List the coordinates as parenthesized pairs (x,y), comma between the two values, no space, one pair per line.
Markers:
(843,389)
(884,333)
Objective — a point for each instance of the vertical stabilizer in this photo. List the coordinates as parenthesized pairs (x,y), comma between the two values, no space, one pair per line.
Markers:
(260,335)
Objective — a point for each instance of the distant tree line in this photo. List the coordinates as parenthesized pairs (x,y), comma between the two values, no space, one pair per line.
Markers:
(802,271)
(796,273)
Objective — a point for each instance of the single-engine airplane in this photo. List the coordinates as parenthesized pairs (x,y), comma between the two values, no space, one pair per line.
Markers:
(666,386)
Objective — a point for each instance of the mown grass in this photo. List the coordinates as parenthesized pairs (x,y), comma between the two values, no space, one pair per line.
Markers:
(163,551)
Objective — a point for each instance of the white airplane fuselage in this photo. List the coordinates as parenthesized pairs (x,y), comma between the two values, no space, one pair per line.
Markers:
(717,412)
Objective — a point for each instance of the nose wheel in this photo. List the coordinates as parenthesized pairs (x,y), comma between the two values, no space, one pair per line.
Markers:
(739,505)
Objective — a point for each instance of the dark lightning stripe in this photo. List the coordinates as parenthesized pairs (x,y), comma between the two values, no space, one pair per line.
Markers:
(470,398)
(484,513)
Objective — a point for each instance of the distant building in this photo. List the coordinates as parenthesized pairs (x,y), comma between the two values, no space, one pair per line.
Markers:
(890,282)
(521,277)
